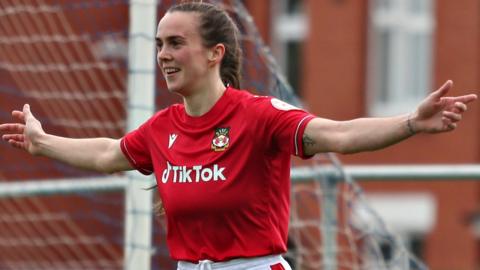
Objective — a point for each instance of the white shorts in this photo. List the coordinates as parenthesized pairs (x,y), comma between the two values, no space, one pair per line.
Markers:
(273,262)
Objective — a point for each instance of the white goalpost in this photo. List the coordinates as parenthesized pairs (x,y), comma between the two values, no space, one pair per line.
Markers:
(141,101)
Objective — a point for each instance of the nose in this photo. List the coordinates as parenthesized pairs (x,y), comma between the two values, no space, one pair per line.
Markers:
(163,55)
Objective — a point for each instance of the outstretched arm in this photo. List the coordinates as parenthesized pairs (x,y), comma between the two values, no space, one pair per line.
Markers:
(435,114)
(97,154)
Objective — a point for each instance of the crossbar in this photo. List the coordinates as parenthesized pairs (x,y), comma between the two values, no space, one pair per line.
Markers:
(298,174)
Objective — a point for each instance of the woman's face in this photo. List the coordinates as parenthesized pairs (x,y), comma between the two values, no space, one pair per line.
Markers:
(180,52)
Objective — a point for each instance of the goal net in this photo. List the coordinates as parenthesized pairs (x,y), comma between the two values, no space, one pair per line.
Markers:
(69,60)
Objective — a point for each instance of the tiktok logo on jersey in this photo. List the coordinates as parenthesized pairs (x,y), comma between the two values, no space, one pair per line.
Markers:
(194,174)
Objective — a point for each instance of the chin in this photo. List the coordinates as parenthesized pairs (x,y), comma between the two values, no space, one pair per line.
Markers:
(172,89)
(175,89)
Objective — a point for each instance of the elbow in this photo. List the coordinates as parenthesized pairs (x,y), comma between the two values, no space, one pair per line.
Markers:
(103,164)
(111,160)
(344,150)
(348,151)
(341,145)
(345,146)
(352,147)
(101,168)
(107,170)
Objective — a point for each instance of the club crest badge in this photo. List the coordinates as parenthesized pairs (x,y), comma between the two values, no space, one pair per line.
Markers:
(221,139)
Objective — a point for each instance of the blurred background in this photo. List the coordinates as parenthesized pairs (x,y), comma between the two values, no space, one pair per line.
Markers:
(343,58)
(349,59)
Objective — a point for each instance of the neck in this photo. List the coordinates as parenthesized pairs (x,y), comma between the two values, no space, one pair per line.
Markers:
(202,100)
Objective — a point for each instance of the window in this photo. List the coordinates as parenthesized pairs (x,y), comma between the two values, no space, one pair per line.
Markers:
(400,55)
(394,211)
(289,31)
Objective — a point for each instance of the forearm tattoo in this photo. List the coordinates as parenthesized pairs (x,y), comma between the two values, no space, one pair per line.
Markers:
(307,142)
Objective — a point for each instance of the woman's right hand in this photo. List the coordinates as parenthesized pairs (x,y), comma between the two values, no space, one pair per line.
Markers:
(26,134)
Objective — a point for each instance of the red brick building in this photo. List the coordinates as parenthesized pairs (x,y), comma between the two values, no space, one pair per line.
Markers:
(376,58)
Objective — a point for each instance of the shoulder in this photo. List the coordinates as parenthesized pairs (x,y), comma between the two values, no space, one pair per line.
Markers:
(164,114)
(267,103)
(170,110)
(239,94)
(247,98)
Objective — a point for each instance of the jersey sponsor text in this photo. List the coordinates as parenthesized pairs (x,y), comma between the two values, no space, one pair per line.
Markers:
(194,174)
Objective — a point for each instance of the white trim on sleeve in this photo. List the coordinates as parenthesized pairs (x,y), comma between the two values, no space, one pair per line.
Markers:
(132,159)
(296,133)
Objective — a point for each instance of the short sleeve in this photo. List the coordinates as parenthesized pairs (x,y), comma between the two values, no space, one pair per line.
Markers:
(135,147)
(284,125)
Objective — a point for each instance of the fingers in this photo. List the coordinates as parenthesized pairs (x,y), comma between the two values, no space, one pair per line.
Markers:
(26,108)
(18,115)
(442,91)
(13,137)
(460,107)
(23,114)
(17,144)
(15,140)
(452,126)
(457,104)
(466,98)
(12,128)
(448,123)
(452,116)
(26,111)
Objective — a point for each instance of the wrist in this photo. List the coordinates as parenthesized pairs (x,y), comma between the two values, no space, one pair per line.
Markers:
(411,124)
(39,144)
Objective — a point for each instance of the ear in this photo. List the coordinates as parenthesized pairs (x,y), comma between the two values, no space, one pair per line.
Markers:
(216,53)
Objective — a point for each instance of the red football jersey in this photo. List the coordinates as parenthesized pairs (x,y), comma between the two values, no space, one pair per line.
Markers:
(223,177)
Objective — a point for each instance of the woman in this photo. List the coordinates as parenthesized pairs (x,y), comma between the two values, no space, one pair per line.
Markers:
(222,158)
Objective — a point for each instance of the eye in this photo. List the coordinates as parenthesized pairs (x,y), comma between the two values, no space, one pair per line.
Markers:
(176,43)
(159,45)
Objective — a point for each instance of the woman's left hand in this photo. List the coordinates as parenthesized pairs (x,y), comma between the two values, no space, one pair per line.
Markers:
(438,113)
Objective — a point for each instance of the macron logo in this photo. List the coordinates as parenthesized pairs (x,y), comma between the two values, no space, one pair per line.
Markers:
(171,139)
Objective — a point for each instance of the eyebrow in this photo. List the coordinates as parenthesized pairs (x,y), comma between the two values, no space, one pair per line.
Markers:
(169,38)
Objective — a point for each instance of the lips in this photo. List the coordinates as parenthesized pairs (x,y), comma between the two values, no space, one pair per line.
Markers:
(170,70)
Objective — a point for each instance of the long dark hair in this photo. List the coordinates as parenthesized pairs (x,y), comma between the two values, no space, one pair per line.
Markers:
(216,26)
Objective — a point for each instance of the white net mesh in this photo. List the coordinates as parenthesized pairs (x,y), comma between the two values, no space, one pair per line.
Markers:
(68,59)
(50,57)
(333,226)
